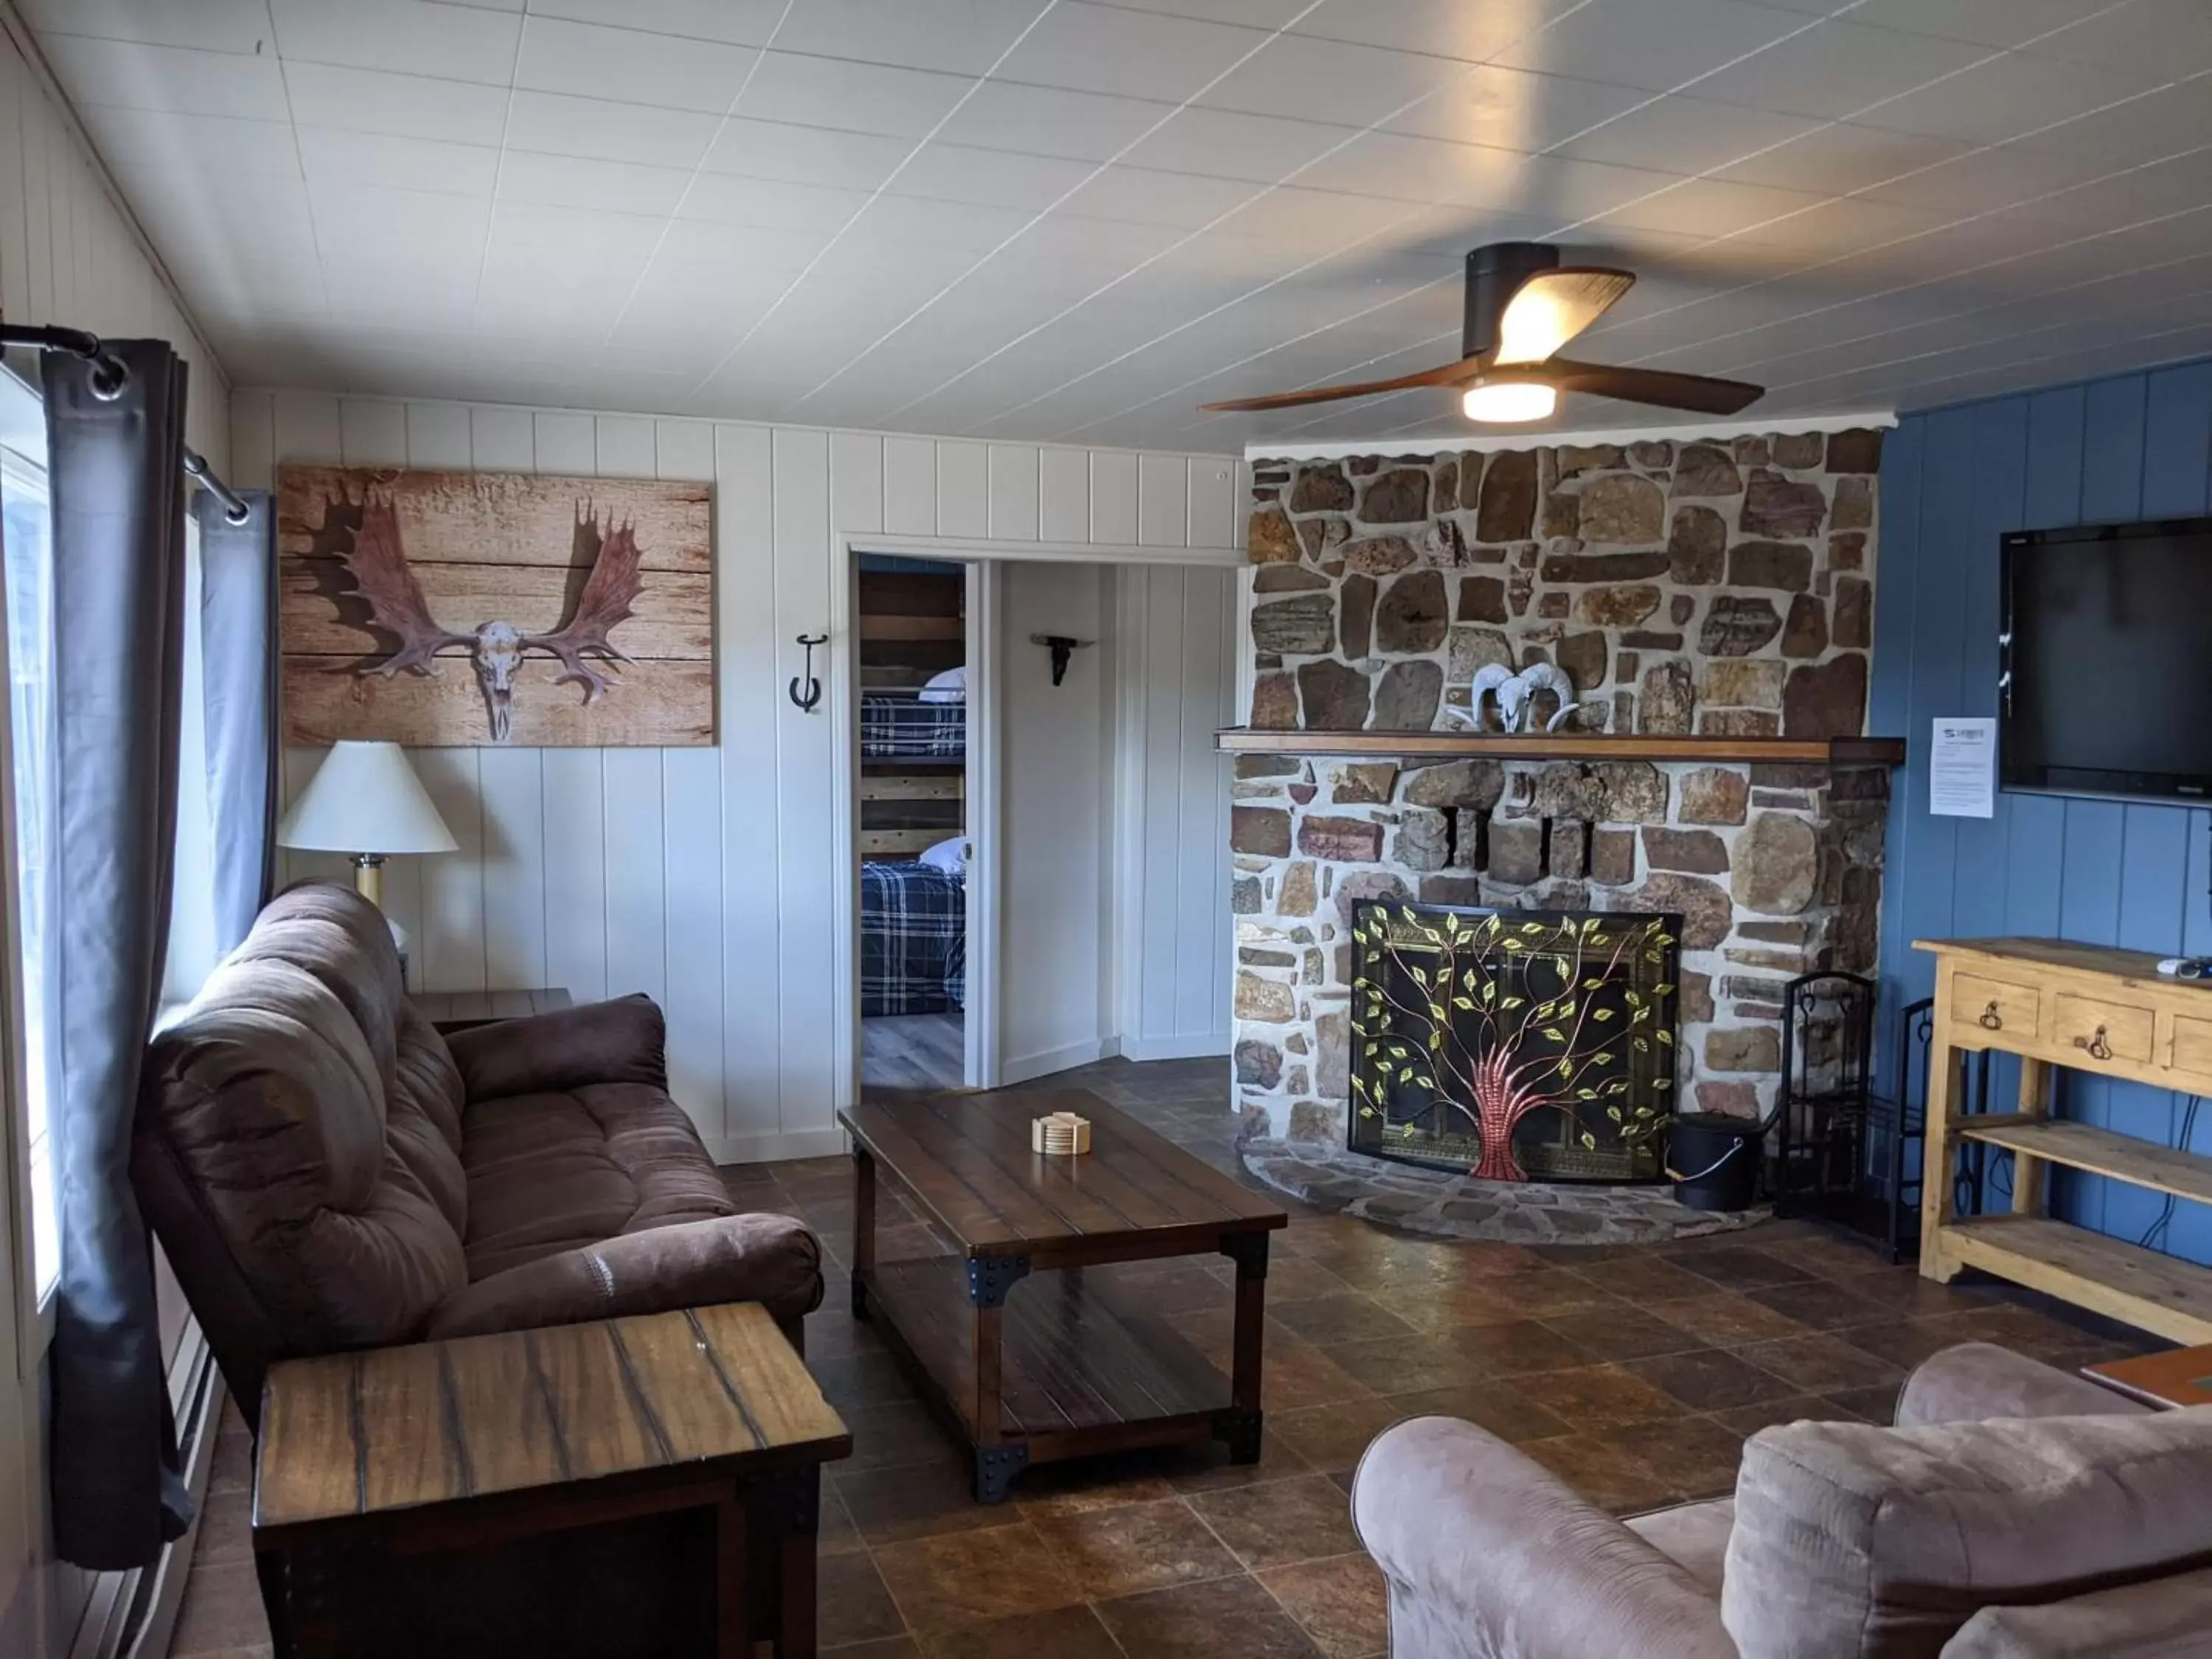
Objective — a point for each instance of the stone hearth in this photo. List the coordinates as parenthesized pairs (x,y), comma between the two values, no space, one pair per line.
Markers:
(1720,588)
(1429,1201)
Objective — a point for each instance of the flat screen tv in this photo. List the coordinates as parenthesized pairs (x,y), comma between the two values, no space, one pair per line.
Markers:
(2106,647)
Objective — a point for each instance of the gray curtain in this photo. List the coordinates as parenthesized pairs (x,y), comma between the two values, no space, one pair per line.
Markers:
(115,472)
(238,664)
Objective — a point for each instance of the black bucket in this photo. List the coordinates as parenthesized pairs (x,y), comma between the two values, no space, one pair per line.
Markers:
(1714,1160)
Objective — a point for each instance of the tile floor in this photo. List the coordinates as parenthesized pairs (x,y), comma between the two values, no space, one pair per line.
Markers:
(1634,1371)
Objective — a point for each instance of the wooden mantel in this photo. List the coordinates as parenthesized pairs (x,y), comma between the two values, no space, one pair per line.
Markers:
(1565,745)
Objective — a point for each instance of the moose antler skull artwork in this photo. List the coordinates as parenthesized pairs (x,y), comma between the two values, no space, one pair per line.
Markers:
(363,537)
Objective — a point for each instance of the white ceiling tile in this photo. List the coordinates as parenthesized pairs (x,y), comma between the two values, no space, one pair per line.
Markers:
(1981,180)
(1141,195)
(404,106)
(771,203)
(1409,169)
(407,37)
(1836,70)
(1354,86)
(995,178)
(1708,207)
(1251,14)
(554,124)
(1514,109)
(1229,144)
(1988,22)
(333,156)
(1131,54)
(737,22)
(574,181)
(351,219)
(1692,135)
(240,26)
(2001,100)
(590,61)
(1312,222)
(186,82)
(963,37)
(863,97)
(1634,43)
(1082,126)
(203,148)
(939,224)
(1443,28)
(738,248)
(2166,38)
(1838,158)
(805,154)
(2146,128)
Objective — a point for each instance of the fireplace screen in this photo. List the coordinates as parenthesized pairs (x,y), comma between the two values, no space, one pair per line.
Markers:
(1517,1044)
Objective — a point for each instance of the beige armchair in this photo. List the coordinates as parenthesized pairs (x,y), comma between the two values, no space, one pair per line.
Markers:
(2013,1512)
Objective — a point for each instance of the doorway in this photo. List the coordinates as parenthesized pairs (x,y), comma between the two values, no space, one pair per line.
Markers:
(913,825)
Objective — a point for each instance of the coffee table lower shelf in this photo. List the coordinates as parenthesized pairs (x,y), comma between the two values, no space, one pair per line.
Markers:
(1083,1368)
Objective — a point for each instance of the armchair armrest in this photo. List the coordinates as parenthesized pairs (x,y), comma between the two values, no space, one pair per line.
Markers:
(1489,1555)
(621,1041)
(1978,1381)
(769,1259)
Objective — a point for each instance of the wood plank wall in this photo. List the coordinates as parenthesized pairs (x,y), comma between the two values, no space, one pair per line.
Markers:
(2109,872)
(704,877)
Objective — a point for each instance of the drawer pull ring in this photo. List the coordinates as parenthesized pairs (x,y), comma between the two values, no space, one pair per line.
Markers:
(1990,1018)
(2095,1043)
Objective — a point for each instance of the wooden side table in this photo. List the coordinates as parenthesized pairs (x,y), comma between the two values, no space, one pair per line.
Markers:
(457,1011)
(399,1492)
(2169,1381)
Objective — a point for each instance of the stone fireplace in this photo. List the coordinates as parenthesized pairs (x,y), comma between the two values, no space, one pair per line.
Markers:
(1720,588)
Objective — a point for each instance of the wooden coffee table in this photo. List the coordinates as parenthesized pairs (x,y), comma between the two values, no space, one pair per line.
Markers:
(1078,1362)
(399,1492)
(2169,1381)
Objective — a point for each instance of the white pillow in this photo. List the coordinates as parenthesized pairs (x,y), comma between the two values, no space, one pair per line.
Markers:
(950,856)
(951,686)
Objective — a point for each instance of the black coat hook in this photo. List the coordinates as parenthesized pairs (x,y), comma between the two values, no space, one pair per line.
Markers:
(1062,648)
(812,695)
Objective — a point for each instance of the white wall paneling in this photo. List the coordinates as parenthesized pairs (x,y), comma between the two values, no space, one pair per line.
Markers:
(708,878)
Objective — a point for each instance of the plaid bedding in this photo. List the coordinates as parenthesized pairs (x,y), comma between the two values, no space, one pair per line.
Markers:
(913,939)
(905,728)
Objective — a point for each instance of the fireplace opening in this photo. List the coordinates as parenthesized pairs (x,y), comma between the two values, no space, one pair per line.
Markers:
(1513,1044)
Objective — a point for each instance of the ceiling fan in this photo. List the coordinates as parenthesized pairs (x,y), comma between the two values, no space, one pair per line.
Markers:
(1522,305)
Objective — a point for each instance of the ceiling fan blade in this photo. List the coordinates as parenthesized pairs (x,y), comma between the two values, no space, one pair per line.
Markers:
(1449,374)
(1551,307)
(1702,393)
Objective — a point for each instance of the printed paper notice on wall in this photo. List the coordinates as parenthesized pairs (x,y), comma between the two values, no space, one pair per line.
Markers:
(1962,768)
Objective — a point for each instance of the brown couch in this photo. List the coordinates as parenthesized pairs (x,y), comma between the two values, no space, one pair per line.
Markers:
(325,1172)
(2016,1511)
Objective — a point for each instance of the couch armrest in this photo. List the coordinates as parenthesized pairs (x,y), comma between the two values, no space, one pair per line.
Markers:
(1979,1381)
(621,1041)
(769,1259)
(1488,1555)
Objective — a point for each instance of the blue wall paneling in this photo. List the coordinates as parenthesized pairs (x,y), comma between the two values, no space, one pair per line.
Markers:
(1952,480)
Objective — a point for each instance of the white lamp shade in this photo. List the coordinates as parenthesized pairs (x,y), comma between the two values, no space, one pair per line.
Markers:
(365,798)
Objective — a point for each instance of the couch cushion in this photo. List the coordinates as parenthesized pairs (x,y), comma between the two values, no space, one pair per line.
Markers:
(1691,1535)
(2165,1619)
(548,1172)
(1854,1540)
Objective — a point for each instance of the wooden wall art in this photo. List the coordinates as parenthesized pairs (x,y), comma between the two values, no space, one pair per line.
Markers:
(452,608)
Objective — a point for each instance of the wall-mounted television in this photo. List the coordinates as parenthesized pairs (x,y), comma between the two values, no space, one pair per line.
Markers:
(2106,651)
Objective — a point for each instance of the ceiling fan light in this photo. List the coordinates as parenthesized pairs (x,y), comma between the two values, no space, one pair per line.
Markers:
(1505,402)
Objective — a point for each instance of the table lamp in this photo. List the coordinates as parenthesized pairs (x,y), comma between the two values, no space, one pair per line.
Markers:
(365,801)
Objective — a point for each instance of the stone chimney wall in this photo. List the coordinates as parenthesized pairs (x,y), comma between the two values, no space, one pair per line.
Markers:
(1721,587)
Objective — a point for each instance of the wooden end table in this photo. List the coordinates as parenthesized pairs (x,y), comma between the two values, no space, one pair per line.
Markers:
(366,1460)
(2169,1381)
(1080,1363)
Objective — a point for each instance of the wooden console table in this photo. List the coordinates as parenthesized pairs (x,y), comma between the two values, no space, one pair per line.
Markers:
(2088,1008)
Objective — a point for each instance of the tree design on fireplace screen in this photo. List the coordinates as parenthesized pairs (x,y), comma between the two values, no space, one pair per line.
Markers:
(1517,1044)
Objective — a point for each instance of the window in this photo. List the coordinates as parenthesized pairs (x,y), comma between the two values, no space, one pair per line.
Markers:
(28,530)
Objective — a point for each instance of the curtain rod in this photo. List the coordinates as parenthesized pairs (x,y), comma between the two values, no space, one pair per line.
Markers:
(109,376)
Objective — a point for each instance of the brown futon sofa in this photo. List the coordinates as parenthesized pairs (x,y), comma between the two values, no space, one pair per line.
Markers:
(325,1172)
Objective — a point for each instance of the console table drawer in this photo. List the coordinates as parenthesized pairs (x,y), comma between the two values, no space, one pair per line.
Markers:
(2101,1031)
(1993,1005)
(2193,1045)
